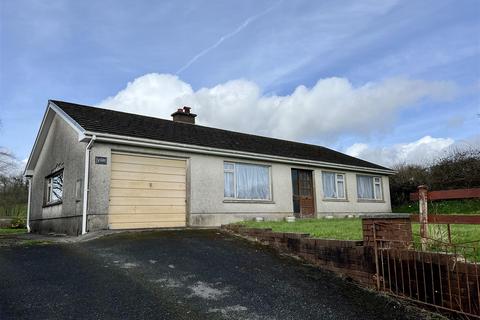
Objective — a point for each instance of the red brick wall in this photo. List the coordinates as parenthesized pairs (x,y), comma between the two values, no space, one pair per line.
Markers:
(401,270)
(396,230)
(347,258)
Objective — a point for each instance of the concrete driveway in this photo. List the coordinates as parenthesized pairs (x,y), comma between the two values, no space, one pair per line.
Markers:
(187,274)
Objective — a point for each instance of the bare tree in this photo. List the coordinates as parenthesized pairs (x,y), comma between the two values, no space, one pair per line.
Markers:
(7,162)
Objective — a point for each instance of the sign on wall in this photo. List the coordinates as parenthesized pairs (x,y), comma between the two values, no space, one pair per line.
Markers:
(100,160)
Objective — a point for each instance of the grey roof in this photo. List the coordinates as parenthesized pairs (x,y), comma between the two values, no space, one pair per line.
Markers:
(134,125)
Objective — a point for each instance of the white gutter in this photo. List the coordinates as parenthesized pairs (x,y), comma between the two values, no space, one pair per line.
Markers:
(226,153)
(29,181)
(85,184)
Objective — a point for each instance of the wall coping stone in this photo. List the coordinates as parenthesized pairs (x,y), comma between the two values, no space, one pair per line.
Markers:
(386,216)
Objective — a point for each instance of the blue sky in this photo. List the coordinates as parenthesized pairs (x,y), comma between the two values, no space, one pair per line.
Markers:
(387,81)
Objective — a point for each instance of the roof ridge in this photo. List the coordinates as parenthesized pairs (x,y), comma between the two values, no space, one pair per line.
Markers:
(197,125)
(320,151)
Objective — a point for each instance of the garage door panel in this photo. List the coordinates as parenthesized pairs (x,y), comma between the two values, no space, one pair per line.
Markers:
(142,225)
(114,209)
(152,217)
(123,158)
(150,177)
(134,201)
(147,193)
(143,168)
(124,184)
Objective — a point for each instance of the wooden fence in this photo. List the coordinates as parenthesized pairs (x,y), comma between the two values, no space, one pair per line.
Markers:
(449,194)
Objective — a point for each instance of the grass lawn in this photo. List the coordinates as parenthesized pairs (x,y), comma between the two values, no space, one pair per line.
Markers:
(11,231)
(341,229)
(351,229)
(468,206)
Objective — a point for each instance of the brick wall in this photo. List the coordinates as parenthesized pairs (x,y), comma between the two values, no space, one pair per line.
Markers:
(395,229)
(434,278)
(347,258)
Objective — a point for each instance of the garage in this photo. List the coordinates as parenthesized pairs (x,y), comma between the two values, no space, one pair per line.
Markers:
(147,192)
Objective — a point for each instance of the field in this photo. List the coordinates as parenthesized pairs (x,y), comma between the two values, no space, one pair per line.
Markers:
(342,229)
(469,206)
(351,229)
(11,231)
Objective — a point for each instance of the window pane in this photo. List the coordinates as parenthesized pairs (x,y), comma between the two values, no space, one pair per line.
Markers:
(57,188)
(341,189)
(365,187)
(378,191)
(229,189)
(328,179)
(228,166)
(252,181)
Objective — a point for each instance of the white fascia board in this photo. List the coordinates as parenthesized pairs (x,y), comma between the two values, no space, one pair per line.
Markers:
(41,135)
(105,137)
(78,128)
(37,139)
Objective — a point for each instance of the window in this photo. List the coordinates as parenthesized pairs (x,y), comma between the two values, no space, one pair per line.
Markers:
(54,188)
(246,181)
(333,185)
(369,188)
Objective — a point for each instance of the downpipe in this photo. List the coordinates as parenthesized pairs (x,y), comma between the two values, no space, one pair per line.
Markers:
(86,183)
(29,181)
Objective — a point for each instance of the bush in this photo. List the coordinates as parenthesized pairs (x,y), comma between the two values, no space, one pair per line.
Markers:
(457,170)
(18,223)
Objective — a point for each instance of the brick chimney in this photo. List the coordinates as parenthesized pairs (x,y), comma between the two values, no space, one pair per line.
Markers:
(184,115)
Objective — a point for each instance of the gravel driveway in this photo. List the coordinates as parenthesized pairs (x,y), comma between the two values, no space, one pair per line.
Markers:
(187,274)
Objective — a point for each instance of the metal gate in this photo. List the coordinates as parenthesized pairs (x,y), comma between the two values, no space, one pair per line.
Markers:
(441,275)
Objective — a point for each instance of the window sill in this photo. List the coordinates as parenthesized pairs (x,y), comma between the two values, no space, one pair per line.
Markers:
(334,200)
(371,201)
(51,204)
(247,201)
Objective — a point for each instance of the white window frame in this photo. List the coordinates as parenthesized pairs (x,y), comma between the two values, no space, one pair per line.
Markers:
(235,197)
(337,174)
(49,193)
(376,180)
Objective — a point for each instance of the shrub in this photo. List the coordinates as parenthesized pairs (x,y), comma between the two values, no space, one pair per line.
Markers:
(18,223)
(456,170)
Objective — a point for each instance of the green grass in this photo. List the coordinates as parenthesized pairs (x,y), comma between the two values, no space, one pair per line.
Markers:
(34,242)
(17,210)
(340,229)
(465,237)
(12,231)
(468,206)
(460,233)
(351,229)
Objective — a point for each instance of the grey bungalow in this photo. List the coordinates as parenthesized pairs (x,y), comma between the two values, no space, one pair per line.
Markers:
(93,169)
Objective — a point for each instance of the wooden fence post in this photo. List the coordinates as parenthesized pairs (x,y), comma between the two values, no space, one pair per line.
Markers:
(423,214)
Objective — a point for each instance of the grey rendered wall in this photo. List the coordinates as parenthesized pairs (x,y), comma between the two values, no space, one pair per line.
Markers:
(60,150)
(351,205)
(205,202)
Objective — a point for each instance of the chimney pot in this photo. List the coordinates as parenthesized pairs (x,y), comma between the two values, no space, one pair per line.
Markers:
(184,115)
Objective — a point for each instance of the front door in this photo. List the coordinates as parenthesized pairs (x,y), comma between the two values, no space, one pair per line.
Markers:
(303,200)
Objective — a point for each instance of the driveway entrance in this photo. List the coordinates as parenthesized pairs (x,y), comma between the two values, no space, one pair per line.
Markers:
(201,274)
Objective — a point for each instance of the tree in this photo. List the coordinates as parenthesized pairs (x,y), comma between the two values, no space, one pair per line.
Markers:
(7,162)
(458,169)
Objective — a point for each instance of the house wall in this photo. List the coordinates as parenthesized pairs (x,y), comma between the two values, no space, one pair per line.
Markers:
(351,205)
(205,185)
(60,150)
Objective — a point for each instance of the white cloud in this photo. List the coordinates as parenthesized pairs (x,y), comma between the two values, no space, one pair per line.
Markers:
(331,108)
(422,151)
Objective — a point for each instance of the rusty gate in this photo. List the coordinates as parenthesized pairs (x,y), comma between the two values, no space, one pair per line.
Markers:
(441,275)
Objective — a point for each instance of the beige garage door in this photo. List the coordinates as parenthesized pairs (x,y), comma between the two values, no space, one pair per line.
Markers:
(147,192)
